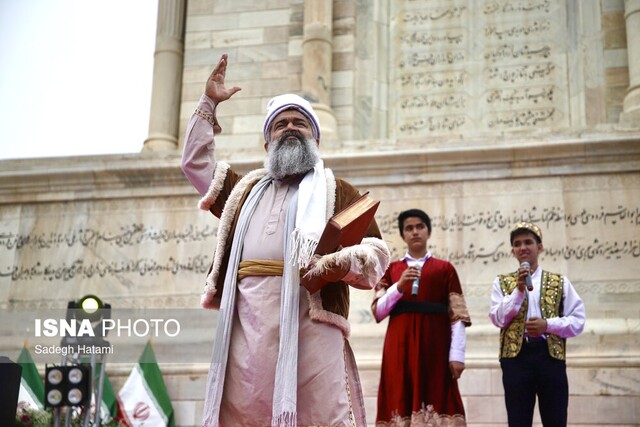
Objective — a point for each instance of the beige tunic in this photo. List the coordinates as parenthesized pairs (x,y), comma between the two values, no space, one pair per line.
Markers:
(323,398)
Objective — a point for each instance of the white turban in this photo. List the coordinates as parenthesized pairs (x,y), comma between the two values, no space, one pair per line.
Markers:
(290,101)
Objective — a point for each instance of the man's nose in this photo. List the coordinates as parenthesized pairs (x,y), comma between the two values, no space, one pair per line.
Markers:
(290,126)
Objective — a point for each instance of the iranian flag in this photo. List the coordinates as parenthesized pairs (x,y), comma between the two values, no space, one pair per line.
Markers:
(31,385)
(143,398)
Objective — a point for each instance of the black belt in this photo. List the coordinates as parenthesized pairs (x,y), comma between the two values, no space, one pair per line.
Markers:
(418,307)
(534,340)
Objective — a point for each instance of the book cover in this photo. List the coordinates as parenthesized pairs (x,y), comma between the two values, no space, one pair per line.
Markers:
(345,228)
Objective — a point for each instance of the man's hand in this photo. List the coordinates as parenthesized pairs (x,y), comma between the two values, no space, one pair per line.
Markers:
(326,267)
(456,369)
(407,278)
(535,326)
(334,272)
(215,83)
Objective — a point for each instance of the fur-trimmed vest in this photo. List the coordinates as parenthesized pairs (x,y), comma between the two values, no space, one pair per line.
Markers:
(227,193)
(551,292)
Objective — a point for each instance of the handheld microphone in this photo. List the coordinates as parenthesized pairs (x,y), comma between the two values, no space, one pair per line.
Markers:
(527,278)
(414,286)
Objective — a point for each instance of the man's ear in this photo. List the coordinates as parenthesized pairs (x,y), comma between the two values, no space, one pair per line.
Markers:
(266,146)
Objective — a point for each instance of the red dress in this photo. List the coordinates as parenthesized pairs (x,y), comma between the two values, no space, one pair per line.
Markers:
(416,386)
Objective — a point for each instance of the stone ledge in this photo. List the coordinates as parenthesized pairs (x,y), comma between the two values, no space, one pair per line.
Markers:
(159,174)
(92,177)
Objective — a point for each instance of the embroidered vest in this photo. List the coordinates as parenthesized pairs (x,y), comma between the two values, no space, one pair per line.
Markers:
(551,293)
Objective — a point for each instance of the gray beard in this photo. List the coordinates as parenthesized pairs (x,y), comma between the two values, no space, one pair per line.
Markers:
(291,158)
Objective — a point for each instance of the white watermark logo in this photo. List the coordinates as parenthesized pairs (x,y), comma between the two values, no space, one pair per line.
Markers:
(142,327)
(63,328)
(120,327)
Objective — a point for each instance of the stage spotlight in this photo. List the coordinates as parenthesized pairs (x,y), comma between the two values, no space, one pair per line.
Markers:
(67,385)
(89,307)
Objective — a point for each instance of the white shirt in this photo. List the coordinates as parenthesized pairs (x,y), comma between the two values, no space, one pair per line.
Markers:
(388,301)
(505,307)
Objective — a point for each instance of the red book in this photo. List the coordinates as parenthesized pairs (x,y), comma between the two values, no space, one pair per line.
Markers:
(346,228)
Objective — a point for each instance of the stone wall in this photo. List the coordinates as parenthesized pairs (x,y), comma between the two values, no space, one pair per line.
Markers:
(126,228)
(409,74)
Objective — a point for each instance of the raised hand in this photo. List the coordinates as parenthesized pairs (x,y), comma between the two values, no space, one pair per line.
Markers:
(215,83)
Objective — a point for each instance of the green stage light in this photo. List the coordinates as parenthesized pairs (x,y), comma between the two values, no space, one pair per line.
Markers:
(90,307)
(90,304)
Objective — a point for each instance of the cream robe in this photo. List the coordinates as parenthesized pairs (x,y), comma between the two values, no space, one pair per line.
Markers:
(323,397)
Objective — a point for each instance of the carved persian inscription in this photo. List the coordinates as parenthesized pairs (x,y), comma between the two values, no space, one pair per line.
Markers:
(473,67)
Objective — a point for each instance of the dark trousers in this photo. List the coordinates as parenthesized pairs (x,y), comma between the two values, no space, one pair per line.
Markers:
(534,372)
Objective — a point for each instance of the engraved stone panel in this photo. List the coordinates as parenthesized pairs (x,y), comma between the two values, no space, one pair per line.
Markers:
(156,250)
(474,67)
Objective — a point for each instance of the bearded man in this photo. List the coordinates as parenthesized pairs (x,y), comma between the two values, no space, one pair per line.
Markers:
(281,355)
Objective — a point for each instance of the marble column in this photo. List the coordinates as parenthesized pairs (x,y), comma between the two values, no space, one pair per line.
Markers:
(167,77)
(317,50)
(630,116)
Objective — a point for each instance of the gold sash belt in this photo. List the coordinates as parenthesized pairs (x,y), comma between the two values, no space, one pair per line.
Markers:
(260,267)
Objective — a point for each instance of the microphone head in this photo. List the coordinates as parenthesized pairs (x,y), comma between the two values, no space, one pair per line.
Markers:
(527,267)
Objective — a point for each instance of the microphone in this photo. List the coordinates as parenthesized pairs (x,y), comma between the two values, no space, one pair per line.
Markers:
(414,286)
(527,278)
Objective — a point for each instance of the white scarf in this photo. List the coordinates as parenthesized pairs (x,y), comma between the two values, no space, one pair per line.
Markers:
(311,215)
(301,238)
